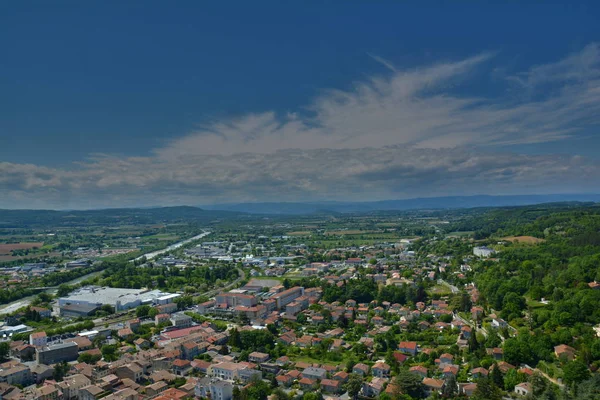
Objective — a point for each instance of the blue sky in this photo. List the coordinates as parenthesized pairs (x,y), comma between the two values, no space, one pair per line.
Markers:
(107,104)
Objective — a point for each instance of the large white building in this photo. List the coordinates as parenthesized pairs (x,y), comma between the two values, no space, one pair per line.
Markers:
(214,388)
(120,299)
(483,251)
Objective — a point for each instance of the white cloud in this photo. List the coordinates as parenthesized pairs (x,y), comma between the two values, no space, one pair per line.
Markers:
(421,107)
(404,135)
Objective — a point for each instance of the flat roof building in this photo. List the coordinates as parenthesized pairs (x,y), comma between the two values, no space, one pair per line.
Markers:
(120,299)
(55,353)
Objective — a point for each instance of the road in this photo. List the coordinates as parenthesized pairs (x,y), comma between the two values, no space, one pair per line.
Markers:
(25,301)
(154,254)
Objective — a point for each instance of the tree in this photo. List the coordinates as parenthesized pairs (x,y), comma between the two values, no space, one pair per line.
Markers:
(410,384)
(142,311)
(496,376)
(153,312)
(312,396)
(257,390)
(575,372)
(109,352)
(89,358)
(301,318)
(538,384)
(450,388)
(486,390)
(60,370)
(237,393)
(512,378)
(280,394)
(63,290)
(354,385)
(4,351)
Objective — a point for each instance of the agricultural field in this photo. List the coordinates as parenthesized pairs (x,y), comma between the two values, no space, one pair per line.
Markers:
(523,239)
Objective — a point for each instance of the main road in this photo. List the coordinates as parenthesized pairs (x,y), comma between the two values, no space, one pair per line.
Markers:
(154,254)
(25,301)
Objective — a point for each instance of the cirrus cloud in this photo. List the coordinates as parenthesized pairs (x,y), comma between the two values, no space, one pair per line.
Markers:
(405,134)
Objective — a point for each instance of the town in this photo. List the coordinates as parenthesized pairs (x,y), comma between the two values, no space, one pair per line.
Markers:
(388,307)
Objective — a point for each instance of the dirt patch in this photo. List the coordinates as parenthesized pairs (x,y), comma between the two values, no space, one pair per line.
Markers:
(7,248)
(523,239)
(299,233)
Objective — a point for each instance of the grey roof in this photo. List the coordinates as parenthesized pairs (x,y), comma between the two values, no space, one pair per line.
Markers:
(58,346)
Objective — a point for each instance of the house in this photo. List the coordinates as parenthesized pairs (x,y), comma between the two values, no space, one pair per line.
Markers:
(38,339)
(341,376)
(381,370)
(307,384)
(161,318)
(419,370)
(200,365)
(90,392)
(173,394)
(467,389)
(156,388)
(72,384)
(181,321)
(142,344)
(331,386)
(83,343)
(476,312)
(190,350)
(523,389)
(168,308)
(284,380)
(497,353)
(47,392)
(24,352)
(400,357)
(564,352)
(432,385)
(466,331)
(424,325)
(479,372)
(446,359)
(374,388)
(504,366)
(134,324)
(41,372)
(221,390)
(132,371)
(125,333)
(499,323)
(43,312)
(360,369)
(450,370)
(181,367)
(18,374)
(409,348)
(282,361)
(257,357)
(314,373)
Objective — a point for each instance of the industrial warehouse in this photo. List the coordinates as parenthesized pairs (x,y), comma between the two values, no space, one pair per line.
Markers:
(88,299)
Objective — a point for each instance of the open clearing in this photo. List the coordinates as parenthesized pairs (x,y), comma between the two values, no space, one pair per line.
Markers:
(7,248)
(523,239)
(299,233)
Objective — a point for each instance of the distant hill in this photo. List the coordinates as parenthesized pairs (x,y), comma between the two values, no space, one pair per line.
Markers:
(108,217)
(449,202)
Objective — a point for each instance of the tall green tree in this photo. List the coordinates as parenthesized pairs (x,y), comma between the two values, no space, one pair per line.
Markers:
(354,385)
